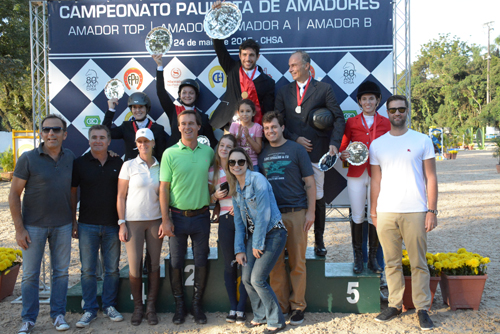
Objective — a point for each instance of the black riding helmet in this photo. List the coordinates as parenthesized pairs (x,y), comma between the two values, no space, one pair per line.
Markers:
(368,87)
(192,83)
(139,98)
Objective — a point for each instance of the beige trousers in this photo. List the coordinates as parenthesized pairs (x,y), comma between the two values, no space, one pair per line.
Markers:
(392,230)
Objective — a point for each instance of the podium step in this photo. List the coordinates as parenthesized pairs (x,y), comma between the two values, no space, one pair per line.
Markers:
(331,287)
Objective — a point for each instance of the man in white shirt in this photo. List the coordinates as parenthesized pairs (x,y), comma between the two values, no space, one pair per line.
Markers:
(403,168)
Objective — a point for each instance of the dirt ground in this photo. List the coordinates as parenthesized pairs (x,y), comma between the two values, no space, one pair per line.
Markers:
(469,216)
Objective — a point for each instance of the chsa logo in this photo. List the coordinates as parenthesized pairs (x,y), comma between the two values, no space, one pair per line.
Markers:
(176,73)
(349,73)
(91,80)
(217,76)
(133,78)
(349,114)
(92,120)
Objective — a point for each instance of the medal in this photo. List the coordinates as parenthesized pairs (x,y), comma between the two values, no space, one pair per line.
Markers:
(244,95)
(298,109)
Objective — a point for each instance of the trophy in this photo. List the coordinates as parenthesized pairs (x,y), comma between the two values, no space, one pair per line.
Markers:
(358,153)
(158,41)
(327,161)
(203,140)
(220,23)
(114,89)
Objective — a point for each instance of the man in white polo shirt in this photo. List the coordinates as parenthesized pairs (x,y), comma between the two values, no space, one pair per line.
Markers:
(403,168)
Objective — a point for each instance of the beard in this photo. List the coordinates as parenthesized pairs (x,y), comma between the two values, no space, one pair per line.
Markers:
(398,123)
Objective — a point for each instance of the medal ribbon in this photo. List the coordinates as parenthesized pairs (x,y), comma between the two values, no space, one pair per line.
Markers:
(179,109)
(365,125)
(150,124)
(247,85)
(300,99)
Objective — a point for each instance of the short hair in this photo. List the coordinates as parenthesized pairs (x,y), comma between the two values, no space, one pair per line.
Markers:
(303,55)
(250,44)
(100,127)
(190,112)
(397,98)
(50,116)
(269,116)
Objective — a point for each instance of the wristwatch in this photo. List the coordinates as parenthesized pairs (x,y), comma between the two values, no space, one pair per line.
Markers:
(433,211)
(121,221)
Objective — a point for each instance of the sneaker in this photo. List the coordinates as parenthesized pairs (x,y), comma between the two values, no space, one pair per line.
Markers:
(60,324)
(241,318)
(388,314)
(231,317)
(424,320)
(297,317)
(85,320)
(113,315)
(26,328)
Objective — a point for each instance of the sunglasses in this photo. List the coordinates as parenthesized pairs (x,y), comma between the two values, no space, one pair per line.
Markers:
(241,162)
(55,129)
(401,110)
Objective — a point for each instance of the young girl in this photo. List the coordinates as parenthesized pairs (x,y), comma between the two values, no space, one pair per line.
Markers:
(247,133)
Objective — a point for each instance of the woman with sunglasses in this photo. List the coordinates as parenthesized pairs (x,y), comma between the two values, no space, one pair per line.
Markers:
(139,216)
(364,128)
(260,237)
(219,191)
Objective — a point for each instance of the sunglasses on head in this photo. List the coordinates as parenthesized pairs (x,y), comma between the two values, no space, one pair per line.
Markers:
(401,110)
(55,129)
(241,162)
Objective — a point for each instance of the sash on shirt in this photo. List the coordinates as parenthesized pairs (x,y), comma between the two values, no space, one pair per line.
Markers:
(134,124)
(248,87)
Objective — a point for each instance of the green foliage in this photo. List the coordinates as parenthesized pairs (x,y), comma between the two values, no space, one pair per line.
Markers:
(15,79)
(7,160)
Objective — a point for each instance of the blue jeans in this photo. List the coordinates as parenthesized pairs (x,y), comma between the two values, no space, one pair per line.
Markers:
(60,251)
(226,243)
(265,305)
(93,237)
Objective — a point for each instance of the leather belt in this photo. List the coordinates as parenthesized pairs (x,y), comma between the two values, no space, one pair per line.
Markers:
(190,213)
(287,210)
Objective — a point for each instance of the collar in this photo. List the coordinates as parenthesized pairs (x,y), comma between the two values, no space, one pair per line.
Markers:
(142,124)
(184,147)
(139,161)
(249,73)
(91,157)
(40,150)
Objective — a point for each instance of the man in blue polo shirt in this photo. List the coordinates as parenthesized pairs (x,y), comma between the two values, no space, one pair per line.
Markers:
(44,174)
(96,173)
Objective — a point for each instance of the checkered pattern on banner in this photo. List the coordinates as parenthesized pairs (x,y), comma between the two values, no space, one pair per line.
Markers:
(76,89)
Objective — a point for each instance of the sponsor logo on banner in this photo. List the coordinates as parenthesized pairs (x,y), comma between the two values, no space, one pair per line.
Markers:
(349,73)
(133,78)
(176,73)
(217,76)
(91,80)
(89,121)
(128,116)
(349,114)
(312,71)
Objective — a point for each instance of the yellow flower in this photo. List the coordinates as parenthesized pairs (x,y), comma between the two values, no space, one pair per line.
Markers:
(8,271)
(406,262)
(474,263)
(461,250)
(2,266)
(19,253)
(430,262)
(446,264)
(405,252)
(485,260)
(438,265)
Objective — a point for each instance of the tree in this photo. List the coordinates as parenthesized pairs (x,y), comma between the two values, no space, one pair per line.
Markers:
(15,79)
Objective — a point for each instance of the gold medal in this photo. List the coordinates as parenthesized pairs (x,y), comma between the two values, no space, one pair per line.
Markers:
(298,110)
(244,95)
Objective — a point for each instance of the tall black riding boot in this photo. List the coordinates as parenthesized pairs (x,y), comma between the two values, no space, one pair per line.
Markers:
(373,244)
(200,279)
(178,292)
(136,290)
(357,244)
(153,287)
(319,227)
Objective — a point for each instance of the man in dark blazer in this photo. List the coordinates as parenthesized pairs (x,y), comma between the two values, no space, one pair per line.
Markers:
(264,85)
(139,104)
(296,101)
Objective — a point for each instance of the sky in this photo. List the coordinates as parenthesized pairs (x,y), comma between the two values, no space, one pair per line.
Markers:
(462,18)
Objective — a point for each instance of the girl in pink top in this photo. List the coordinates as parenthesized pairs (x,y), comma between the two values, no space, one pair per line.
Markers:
(247,133)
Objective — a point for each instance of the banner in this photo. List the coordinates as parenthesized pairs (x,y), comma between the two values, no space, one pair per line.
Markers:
(94,41)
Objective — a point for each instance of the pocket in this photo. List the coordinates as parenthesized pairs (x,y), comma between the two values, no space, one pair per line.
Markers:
(252,202)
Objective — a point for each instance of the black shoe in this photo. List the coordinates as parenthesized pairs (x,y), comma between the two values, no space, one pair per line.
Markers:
(241,319)
(231,317)
(320,250)
(297,317)
(424,320)
(388,314)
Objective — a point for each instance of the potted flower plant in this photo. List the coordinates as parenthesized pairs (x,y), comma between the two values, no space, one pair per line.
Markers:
(7,163)
(463,278)
(10,261)
(496,153)
(434,269)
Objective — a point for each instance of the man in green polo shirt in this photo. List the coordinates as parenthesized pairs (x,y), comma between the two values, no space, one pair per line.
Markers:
(184,199)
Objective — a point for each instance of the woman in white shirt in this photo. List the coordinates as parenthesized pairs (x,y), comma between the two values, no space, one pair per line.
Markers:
(140,218)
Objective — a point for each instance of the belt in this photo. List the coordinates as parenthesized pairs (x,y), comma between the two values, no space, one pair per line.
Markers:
(287,210)
(190,213)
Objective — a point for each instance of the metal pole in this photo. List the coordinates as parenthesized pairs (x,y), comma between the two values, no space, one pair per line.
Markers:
(488,59)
